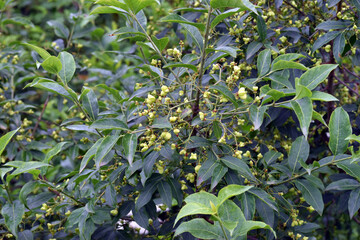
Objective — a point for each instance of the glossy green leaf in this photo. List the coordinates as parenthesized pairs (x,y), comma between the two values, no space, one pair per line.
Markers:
(13,213)
(261,27)
(189,66)
(231,215)
(333,25)
(160,43)
(257,115)
(340,129)
(195,34)
(200,228)
(218,174)
(49,85)
(138,5)
(59,28)
(351,168)
(322,96)
(311,194)
(302,91)
(252,225)
(271,156)
(226,93)
(231,191)
(90,103)
(89,155)
(283,64)
(338,47)
(219,18)
(53,152)
(146,195)
(175,18)
(324,39)
(109,123)
(203,198)
(129,143)
(288,57)
(114,3)
(238,165)
(164,189)
(241,4)
(106,10)
(343,185)
(192,209)
(104,148)
(4,140)
(252,49)
(314,76)
(68,66)
(303,109)
(299,151)
(24,167)
(319,117)
(263,62)
(248,205)
(161,123)
(42,52)
(52,65)
(354,202)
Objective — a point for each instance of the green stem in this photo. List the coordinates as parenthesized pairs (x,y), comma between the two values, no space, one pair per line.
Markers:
(222,228)
(8,192)
(304,173)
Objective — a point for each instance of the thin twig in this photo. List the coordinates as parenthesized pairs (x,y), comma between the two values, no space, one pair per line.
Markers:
(343,83)
(41,115)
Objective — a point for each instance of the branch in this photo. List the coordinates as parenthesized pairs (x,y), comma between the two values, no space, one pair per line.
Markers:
(343,83)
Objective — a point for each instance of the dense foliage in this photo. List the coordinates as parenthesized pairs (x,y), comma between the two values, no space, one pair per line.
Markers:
(212,119)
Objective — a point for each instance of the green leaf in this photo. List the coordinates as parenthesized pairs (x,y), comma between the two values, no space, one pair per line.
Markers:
(303,109)
(353,169)
(302,91)
(161,123)
(356,3)
(113,3)
(322,96)
(288,57)
(4,140)
(231,191)
(248,205)
(217,130)
(206,170)
(311,194)
(314,76)
(129,143)
(26,190)
(353,137)
(172,65)
(261,27)
(252,225)
(338,47)
(105,147)
(60,29)
(299,151)
(106,10)
(340,129)
(203,198)
(200,228)
(271,156)
(192,209)
(160,43)
(89,154)
(175,18)
(49,85)
(24,167)
(68,66)
(218,173)
(238,165)
(257,115)
(223,16)
(137,5)
(343,185)
(13,213)
(324,39)
(253,48)
(113,92)
(283,64)
(319,117)
(164,189)
(53,152)
(231,215)
(194,34)
(90,103)
(52,65)
(42,52)
(354,202)
(243,5)
(146,195)
(264,197)
(226,93)
(332,25)
(263,62)
(109,123)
